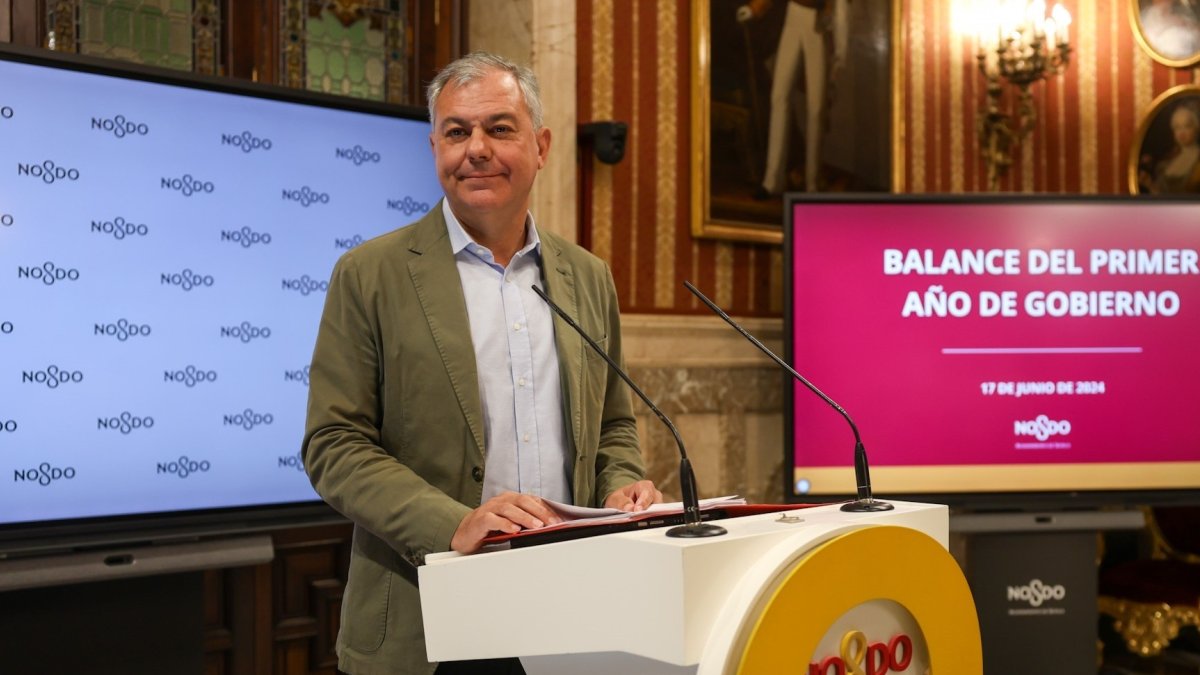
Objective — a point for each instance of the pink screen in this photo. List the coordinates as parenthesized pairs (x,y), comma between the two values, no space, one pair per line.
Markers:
(1043,333)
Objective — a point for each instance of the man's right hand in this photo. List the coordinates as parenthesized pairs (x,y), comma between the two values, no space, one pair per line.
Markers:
(508,512)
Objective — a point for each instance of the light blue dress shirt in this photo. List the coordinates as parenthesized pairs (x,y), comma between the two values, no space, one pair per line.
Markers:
(512,331)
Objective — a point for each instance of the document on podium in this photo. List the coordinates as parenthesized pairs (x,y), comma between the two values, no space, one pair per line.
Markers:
(581,521)
(572,513)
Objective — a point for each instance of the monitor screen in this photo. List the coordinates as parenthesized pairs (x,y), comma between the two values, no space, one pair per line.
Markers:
(990,348)
(165,246)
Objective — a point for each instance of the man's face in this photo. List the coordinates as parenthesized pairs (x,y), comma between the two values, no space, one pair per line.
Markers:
(486,149)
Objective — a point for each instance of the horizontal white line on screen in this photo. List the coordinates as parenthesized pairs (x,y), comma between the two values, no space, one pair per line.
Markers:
(1041,350)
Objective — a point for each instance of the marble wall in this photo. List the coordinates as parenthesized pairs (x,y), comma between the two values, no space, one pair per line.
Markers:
(725,398)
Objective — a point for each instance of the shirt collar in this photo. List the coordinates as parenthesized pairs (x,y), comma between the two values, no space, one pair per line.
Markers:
(460,240)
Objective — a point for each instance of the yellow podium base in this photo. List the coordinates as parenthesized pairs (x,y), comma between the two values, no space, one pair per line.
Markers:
(809,622)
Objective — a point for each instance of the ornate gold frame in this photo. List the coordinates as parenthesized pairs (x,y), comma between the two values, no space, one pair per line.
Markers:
(1147,628)
(705,226)
(1139,138)
(1135,21)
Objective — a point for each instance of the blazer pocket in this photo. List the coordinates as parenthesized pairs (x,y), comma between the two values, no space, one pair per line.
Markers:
(591,353)
(595,381)
(365,608)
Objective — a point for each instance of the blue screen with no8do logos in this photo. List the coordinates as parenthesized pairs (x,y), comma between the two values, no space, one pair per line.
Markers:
(165,246)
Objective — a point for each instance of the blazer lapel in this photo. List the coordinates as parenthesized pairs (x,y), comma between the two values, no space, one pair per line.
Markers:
(435,277)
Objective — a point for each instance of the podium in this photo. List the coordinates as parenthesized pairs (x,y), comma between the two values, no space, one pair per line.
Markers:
(816,591)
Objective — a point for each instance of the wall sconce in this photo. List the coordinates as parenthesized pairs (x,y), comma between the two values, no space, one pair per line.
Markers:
(1018,43)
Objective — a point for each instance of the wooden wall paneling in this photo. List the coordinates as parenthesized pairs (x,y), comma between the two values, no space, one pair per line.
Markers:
(28,22)
(436,31)
(250,40)
(6,21)
(237,620)
(253,596)
(283,616)
(218,637)
(309,578)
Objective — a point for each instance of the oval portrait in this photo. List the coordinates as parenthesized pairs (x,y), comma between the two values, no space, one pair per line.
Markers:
(1165,157)
(1168,29)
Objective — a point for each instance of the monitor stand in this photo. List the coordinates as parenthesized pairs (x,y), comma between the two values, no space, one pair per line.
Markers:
(124,610)
(133,560)
(133,626)
(1034,577)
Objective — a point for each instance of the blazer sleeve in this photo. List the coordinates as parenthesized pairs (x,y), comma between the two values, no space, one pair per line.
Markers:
(342,448)
(618,459)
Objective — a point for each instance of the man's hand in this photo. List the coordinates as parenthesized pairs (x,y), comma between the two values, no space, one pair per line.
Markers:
(634,497)
(509,512)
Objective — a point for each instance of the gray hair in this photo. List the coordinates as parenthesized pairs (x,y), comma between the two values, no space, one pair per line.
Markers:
(476,65)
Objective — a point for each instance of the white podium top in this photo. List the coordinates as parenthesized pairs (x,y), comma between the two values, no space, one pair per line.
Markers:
(639,592)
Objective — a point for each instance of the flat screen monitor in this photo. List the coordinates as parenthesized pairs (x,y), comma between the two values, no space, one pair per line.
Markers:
(165,246)
(995,351)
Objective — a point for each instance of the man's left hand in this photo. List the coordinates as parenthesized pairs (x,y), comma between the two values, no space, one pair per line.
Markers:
(634,497)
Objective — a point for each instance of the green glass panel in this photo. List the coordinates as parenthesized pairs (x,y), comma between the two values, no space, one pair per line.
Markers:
(118,27)
(337,65)
(356,67)
(155,32)
(316,31)
(347,60)
(374,73)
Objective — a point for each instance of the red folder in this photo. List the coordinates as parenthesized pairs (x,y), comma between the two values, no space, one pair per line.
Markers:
(584,527)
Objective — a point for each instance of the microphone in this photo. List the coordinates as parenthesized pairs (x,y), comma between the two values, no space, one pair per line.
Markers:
(862,473)
(692,527)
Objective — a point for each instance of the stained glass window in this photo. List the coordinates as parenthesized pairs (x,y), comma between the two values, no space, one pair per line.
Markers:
(347,47)
(180,34)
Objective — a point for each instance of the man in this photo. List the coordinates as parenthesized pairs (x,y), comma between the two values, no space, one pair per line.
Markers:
(801,41)
(444,403)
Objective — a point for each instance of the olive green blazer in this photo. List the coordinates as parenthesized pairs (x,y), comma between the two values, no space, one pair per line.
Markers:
(395,435)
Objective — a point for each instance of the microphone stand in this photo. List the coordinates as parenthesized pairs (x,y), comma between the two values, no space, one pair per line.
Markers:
(862,473)
(692,525)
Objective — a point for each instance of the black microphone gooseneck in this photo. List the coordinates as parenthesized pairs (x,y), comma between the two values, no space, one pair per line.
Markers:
(692,527)
(862,473)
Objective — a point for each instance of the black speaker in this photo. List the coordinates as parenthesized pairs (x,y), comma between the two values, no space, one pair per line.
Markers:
(606,138)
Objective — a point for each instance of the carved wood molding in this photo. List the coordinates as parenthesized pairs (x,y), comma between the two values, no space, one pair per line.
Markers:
(283,616)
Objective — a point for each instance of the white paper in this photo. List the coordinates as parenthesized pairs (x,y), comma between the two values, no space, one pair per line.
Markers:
(570,512)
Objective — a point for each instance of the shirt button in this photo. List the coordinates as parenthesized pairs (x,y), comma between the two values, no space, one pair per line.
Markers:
(526,438)
(521,381)
(517,326)
(477,474)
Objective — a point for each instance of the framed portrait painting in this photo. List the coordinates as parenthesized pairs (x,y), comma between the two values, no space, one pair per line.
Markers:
(1169,30)
(1165,158)
(787,96)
